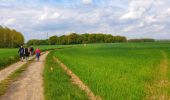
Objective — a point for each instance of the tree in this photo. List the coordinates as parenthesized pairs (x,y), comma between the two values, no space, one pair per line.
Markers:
(108,38)
(119,39)
(10,38)
(100,38)
(63,39)
(37,42)
(142,40)
(85,38)
(53,40)
(92,38)
(73,38)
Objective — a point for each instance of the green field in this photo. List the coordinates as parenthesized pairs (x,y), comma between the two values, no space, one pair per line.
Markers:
(7,56)
(52,47)
(118,71)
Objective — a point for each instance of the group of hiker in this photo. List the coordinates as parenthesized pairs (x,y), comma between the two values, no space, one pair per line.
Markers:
(25,52)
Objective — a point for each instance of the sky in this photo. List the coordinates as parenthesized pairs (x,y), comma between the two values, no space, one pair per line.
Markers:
(130,18)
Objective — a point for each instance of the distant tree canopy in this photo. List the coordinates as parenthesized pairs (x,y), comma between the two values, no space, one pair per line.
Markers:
(37,42)
(74,38)
(142,40)
(10,38)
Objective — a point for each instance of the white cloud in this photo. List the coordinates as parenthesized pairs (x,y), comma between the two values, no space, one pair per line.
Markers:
(87,1)
(89,18)
(150,19)
(43,16)
(158,28)
(10,21)
(55,15)
(144,17)
(137,8)
(48,13)
(133,27)
(128,28)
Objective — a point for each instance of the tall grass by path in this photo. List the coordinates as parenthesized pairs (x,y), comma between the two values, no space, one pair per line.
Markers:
(116,71)
(57,84)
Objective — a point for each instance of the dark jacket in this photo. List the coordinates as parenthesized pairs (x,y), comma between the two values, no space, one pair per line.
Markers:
(21,50)
(26,52)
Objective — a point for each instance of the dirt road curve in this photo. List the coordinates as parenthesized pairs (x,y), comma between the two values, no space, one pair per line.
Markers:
(29,85)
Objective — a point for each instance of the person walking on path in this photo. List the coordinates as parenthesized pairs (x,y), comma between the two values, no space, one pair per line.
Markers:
(38,53)
(26,53)
(21,53)
(31,50)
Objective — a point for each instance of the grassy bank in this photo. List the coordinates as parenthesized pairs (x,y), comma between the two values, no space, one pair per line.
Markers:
(57,83)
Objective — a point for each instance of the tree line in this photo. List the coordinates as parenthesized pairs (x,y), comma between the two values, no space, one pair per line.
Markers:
(75,38)
(142,40)
(10,38)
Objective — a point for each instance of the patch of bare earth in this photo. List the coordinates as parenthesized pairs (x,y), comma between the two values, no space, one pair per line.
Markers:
(29,85)
(158,90)
(76,80)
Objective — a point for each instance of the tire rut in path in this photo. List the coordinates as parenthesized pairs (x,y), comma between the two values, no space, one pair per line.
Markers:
(158,90)
(30,85)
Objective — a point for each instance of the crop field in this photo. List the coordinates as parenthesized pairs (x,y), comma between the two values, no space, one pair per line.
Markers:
(7,56)
(118,71)
(51,47)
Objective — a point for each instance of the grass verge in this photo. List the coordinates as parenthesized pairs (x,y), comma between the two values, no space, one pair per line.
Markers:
(57,84)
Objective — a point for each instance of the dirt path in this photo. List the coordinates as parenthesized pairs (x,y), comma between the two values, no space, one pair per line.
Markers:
(158,90)
(29,85)
(76,80)
(8,70)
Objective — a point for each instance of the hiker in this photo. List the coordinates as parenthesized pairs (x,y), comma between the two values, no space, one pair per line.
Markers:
(21,53)
(31,50)
(38,53)
(26,53)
